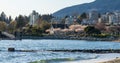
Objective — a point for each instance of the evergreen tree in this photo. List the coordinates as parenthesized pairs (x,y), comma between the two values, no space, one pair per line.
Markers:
(92,30)
(10,19)
(3,16)
(84,15)
(20,21)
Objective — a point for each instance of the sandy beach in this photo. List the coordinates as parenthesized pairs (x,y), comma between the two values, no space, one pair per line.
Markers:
(103,58)
(117,60)
(117,40)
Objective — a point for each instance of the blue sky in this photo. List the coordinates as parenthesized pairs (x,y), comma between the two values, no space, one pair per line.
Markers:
(25,7)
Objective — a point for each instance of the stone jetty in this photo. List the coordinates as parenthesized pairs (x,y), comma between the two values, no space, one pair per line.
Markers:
(75,50)
(90,50)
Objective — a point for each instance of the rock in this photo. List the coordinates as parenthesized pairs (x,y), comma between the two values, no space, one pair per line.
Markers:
(11,49)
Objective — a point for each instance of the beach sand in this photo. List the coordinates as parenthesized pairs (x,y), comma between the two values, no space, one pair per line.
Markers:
(98,61)
(103,58)
(117,60)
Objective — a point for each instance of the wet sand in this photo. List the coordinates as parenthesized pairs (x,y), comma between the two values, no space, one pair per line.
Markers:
(117,60)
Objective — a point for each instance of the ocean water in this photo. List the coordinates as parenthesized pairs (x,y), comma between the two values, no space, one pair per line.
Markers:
(51,57)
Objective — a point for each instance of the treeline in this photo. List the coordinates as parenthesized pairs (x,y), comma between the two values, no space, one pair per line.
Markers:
(21,24)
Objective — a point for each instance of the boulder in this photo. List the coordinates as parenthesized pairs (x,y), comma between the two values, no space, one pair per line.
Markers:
(11,49)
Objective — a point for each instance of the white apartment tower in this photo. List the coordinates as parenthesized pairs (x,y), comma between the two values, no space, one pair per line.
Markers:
(34,16)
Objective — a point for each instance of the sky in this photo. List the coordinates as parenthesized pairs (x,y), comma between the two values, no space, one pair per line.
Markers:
(25,7)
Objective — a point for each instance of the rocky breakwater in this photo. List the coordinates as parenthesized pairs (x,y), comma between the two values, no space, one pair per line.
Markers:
(75,50)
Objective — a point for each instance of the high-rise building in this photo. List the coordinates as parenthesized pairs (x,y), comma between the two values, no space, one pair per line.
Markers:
(34,16)
(93,17)
(105,19)
(111,18)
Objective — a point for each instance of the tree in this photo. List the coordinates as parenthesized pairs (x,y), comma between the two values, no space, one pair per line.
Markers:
(9,19)
(21,22)
(3,16)
(91,30)
(32,30)
(12,26)
(26,19)
(3,26)
(44,25)
(0,18)
(99,15)
(63,21)
(79,19)
(84,15)
(46,17)
(66,16)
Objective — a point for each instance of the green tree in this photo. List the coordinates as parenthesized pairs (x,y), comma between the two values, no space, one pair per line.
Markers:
(99,15)
(21,21)
(12,26)
(44,26)
(83,15)
(3,26)
(46,17)
(79,19)
(91,30)
(10,19)
(32,30)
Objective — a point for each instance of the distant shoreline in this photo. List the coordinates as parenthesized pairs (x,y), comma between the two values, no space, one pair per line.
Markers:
(65,38)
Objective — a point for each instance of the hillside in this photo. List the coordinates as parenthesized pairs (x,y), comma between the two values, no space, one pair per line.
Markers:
(99,5)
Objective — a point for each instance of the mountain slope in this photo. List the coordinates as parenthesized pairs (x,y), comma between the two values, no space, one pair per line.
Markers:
(99,5)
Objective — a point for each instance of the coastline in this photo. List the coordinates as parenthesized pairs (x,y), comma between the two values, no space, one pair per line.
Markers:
(118,40)
(104,58)
(111,39)
(117,60)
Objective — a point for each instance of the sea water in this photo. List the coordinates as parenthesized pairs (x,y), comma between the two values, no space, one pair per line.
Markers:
(48,56)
